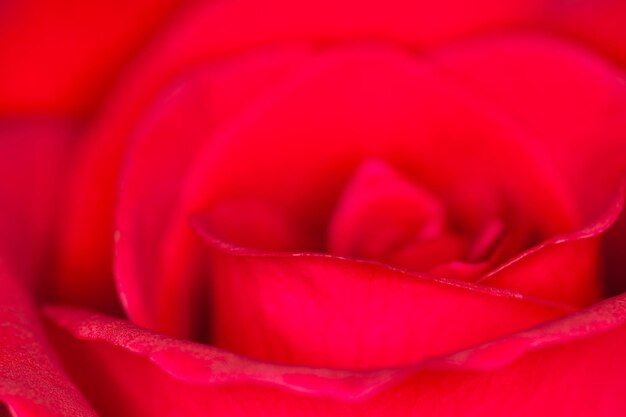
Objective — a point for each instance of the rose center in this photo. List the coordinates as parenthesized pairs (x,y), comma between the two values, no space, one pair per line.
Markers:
(386,217)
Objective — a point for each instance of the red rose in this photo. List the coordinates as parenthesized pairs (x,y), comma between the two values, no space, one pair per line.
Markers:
(399,208)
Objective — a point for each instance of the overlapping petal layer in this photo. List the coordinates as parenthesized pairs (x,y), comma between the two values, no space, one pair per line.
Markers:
(570,99)
(32,381)
(324,311)
(59,57)
(33,157)
(277,135)
(381,216)
(295,150)
(567,359)
(85,267)
(212,31)
(161,153)
(598,25)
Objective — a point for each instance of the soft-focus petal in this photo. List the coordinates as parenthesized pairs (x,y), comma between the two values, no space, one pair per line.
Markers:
(572,101)
(596,24)
(85,264)
(210,31)
(32,381)
(59,57)
(613,257)
(33,156)
(219,28)
(158,158)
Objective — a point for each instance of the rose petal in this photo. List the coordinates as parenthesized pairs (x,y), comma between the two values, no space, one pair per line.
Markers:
(170,136)
(326,311)
(613,257)
(32,159)
(229,26)
(570,99)
(320,125)
(565,268)
(381,216)
(81,45)
(562,84)
(598,24)
(32,382)
(566,359)
(88,231)
(209,31)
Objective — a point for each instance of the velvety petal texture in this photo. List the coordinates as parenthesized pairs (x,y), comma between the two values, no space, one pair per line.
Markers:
(32,381)
(353,314)
(322,208)
(566,359)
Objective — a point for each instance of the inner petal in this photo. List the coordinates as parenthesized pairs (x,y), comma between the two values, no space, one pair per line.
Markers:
(296,150)
(385,216)
(256,225)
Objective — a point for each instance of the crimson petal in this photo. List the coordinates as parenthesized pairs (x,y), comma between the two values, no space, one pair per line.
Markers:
(33,157)
(82,46)
(317,127)
(381,215)
(567,359)
(598,25)
(32,381)
(565,268)
(170,136)
(545,85)
(350,314)
(207,32)
(564,83)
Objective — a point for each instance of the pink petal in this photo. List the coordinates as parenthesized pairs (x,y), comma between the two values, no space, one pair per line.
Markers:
(553,369)
(32,381)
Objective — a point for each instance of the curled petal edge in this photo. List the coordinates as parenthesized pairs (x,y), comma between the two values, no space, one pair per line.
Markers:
(594,229)
(590,231)
(196,363)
